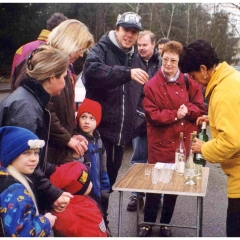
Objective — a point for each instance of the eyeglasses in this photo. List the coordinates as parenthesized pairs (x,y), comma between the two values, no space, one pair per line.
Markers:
(172,61)
(29,64)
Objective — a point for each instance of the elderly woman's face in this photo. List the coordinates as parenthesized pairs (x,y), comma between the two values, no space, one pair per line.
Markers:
(170,63)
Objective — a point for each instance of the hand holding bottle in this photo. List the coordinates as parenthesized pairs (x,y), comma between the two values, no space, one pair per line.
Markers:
(196,145)
(203,118)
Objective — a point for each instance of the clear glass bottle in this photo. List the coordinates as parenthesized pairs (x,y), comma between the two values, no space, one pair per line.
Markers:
(180,156)
(198,157)
(190,172)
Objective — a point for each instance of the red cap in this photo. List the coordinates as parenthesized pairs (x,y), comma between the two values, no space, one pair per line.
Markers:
(92,107)
(71,177)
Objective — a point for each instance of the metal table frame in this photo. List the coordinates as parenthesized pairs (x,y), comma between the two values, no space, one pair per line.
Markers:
(200,194)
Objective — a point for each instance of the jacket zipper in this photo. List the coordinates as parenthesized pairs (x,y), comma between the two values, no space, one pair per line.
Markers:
(45,157)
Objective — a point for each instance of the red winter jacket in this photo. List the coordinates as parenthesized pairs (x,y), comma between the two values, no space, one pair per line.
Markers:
(82,218)
(161,102)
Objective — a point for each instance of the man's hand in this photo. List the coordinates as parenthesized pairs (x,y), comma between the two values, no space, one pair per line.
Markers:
(62,202)
(139,75)
(202,119)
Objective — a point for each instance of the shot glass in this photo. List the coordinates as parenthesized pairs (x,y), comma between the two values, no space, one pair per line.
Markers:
(147,171)
(154,175)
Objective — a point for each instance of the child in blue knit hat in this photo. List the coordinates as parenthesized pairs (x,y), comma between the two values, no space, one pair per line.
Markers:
(19,156)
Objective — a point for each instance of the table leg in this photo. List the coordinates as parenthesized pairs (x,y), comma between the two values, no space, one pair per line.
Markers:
(137,214)
(120,213)
(199,216)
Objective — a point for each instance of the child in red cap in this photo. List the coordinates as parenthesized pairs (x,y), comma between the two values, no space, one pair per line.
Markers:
(88,118)
(82,217)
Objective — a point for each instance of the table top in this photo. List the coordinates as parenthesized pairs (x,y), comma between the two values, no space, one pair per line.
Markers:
(134,180)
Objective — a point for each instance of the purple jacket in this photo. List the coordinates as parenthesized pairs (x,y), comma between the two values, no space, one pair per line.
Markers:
(21,54)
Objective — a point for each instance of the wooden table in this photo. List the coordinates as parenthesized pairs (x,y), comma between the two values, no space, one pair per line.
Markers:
(135,180)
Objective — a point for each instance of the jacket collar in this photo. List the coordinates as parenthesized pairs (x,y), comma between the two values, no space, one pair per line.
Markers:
(36,88)
(222,72)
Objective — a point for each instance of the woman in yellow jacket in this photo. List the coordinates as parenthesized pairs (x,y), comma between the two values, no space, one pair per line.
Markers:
(222,82)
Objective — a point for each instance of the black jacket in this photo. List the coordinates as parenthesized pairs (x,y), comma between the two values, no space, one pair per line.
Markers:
(25,107)
(153,65)
(108,81)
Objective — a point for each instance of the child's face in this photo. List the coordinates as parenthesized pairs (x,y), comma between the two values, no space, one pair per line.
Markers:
(87,123)
(27,161)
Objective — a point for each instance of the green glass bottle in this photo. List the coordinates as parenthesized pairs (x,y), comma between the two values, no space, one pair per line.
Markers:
(198,157)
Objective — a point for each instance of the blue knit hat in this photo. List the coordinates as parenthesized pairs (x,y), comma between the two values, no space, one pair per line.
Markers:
(14,141)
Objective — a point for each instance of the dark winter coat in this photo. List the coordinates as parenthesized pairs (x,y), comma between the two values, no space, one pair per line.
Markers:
(152,66)
(108,81)
(26,107)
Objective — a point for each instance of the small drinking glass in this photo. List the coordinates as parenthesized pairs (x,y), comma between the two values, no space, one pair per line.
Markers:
(154,175)
(147,171)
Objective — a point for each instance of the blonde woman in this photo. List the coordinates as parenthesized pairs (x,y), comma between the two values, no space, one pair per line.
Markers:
(71,37)
(26,107)
(19,212)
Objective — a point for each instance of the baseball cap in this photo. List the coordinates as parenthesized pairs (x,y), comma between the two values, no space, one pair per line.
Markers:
(129,20)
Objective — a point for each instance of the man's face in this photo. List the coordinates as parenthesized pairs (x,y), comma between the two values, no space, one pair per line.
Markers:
(127,37)
(160,48)
(145,47)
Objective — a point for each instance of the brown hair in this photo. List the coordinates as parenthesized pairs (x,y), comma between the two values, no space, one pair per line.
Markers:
(173,47)
(45,61)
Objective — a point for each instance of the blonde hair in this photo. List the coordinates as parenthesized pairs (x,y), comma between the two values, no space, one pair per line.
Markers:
(70,36)
(24,181)
(45,61)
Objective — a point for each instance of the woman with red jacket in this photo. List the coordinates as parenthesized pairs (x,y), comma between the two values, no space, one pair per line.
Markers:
(171,106)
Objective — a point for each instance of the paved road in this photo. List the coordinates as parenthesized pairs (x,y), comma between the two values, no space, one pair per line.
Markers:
(214,205)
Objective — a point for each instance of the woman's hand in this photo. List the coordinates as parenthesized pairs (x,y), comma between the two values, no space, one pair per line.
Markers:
(78,146)
(196,145)
(202,119)
(51,218)
(182,111)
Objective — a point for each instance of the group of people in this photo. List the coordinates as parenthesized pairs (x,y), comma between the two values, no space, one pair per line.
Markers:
(140,96)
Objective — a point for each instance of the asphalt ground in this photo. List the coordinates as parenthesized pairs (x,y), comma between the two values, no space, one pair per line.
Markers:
(214,204)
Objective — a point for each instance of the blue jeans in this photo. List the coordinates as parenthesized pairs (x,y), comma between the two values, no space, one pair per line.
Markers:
(140,154)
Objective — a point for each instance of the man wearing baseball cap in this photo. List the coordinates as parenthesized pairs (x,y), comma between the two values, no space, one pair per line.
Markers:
(114,76)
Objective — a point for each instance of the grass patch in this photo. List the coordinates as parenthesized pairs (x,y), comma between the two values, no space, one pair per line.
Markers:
(4,80)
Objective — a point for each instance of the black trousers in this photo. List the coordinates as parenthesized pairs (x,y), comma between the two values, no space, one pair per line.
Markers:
(233,217)
(152,206)
(114,159)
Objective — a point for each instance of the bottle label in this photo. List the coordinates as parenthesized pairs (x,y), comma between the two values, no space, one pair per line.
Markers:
(199,155)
